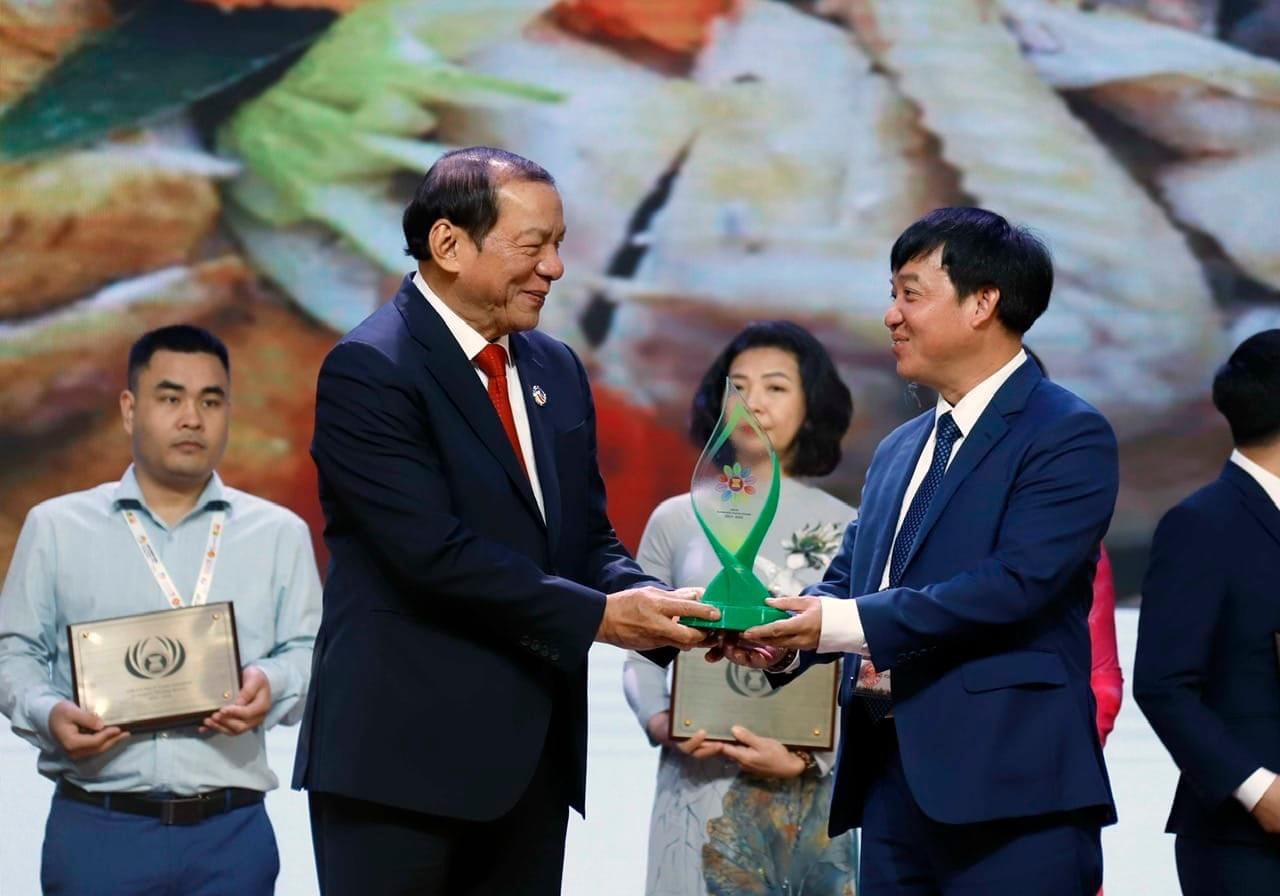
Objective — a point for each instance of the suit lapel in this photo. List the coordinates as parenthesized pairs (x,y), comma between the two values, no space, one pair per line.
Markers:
(457,377)
(533,371)
(1255,498)
(885,519)
(990,429)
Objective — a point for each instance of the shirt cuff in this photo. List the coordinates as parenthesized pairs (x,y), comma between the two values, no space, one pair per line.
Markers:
(33,718)
(792,665)
(1251,791)
(841,627)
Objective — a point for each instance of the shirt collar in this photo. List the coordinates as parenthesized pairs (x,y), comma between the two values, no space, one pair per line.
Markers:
(966,411)
(128,493)
(1269,481)
(471,342)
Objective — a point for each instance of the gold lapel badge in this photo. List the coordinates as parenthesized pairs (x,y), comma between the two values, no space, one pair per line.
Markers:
(539,396)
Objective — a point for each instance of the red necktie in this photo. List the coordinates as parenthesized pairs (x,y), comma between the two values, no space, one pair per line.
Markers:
(493,362)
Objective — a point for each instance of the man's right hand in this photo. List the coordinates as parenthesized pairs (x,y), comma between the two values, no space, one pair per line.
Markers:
(645,618)
(1267,812)
(81,733)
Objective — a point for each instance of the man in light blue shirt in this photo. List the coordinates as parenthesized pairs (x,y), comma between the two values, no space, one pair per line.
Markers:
(178,810)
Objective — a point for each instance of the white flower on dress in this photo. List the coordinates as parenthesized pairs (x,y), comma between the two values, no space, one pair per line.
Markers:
(812,546)
(778,579)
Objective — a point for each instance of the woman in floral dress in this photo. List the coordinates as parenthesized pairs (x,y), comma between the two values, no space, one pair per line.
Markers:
(750,817)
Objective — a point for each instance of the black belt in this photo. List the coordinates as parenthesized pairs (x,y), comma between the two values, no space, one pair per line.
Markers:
(170,810)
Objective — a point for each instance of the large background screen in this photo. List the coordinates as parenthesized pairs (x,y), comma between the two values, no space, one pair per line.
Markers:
(243,164)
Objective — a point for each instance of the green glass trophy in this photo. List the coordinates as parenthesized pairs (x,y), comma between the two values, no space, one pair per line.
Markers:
(735,497)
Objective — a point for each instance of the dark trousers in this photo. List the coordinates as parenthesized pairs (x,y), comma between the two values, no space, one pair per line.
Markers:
(1219,868)
(368,849)
(91,851)
(905,853)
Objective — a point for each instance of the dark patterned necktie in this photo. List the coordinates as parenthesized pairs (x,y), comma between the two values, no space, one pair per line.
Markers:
(878,706)
(948,432)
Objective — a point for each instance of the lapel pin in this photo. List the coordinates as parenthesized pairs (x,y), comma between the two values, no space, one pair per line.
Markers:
(539,396)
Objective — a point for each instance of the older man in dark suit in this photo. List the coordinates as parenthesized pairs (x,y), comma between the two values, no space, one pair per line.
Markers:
(1206,674)
(473,560)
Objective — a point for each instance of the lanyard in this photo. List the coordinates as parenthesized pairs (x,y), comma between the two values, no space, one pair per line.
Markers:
(162,577)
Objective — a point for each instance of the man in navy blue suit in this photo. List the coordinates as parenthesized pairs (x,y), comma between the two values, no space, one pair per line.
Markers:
(960,596)
(473,563)
(1206,673)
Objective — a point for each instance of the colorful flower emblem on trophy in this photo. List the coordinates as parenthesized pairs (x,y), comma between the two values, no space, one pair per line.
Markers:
(736,484)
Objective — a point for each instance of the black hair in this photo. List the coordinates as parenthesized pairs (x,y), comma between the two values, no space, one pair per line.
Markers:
(183,338)
(1246,390)
(462,187)
(828,406)
(981,249)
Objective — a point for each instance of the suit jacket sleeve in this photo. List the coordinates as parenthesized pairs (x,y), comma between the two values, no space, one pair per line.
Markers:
(612,565)
(1058,508)
(608,561)
(377,459)
(1182,599)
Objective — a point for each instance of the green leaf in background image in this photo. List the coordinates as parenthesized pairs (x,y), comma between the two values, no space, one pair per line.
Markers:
(161,56)
(323,143)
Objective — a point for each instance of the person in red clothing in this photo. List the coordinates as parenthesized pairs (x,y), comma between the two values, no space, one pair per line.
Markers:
(1106,680)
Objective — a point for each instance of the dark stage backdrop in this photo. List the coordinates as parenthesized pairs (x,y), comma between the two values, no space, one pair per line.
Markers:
(243,164)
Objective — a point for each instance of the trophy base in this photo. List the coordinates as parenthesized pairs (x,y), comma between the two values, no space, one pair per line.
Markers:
(737,619)
(740,598)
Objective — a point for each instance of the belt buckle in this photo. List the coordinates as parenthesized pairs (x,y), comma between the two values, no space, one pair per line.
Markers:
(177,812)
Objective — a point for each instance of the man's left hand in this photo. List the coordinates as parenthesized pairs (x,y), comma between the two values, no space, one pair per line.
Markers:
(798,632)
(249,709)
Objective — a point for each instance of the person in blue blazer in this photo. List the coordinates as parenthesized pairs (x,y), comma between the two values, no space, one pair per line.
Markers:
(1206,673)
(473,562)
(960,597)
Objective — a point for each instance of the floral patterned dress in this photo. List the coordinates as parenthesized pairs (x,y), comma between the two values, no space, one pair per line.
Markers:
(715,830)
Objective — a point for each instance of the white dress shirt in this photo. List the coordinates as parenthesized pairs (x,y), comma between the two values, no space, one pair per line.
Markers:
(472,344)
(1269,481)
(841,625)
(1255,786)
